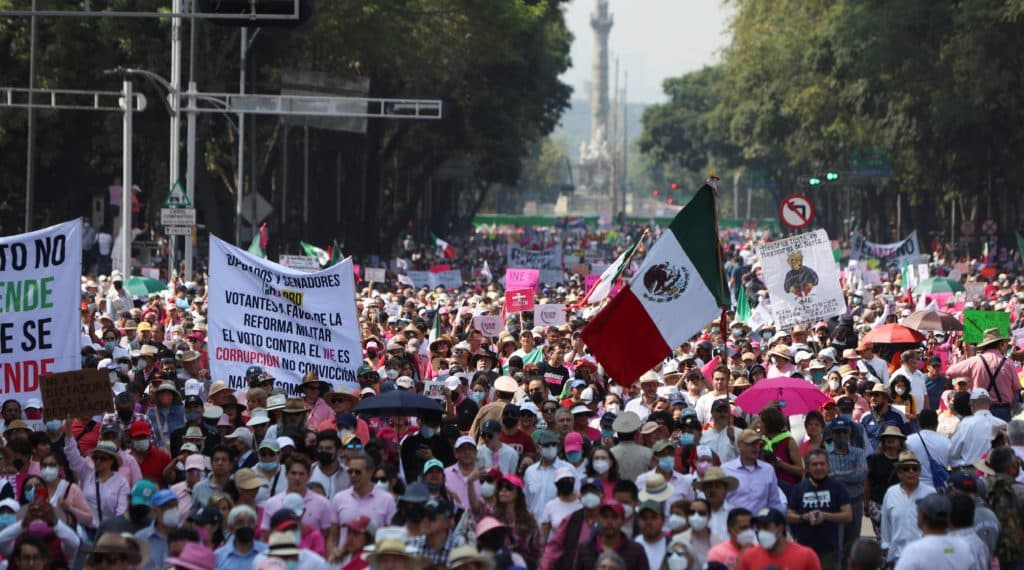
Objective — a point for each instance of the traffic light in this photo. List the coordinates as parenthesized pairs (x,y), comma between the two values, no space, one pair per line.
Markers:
(656,193)
(814,181)
(674,186)
(831,176)
(671,201)
(245,8)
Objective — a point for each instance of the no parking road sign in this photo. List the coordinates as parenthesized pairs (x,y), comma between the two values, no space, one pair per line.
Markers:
(796,211)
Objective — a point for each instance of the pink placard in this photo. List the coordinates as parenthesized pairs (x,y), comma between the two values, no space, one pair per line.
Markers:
(440,268)
(521,279)
(518,300)
(358,272)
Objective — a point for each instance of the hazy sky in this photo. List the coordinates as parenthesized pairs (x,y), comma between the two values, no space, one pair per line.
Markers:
(653,39)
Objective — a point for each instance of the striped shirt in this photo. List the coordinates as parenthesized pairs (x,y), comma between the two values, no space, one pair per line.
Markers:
(850,469)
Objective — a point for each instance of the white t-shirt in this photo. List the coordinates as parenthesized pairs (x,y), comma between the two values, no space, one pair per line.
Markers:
(556,510)
(655,552)
(938,447)
(936,552)
(104,241)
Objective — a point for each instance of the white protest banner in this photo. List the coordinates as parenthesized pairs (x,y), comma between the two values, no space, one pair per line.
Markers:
(861,248)
(300,262)
(40,295)
(490,325)
(974,292)
(548,258)
(802,279)
(288,321)
(435,390)
(549,315)
(451,279)
(375,274)
(420,279)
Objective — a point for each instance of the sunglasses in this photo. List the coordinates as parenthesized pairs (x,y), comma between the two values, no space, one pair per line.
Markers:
(104,558)
(695,512)
(550,410)
(102,458)
(380,480)
(507,488)
(355,471)
(910,468)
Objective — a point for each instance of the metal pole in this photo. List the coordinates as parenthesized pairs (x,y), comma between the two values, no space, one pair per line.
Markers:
(621,206)
(736,194)
(305,180)
(174,160)
(190,169)
(126,185)
(240,176)
(337,191)
(284,175)
(30,167)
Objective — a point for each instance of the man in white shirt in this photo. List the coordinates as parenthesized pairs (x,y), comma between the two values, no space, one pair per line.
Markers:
(539,479)
(908,369)
(927,444)
(899,507)
(874,367)
(680,486)
(494,453)
(652,538)
(720,384)
(644,405)
(720,436)
(935,550)
(973,436)
(961,525)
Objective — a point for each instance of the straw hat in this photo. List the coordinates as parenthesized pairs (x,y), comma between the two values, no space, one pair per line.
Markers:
(717,475)
(311,379)
(991,337)
(782,351)
(392,545)
(468,554)
(282,544)
(293,406)
(892,431)
(656,489)
(218,387)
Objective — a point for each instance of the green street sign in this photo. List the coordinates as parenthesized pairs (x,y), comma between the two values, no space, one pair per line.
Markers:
(177,197)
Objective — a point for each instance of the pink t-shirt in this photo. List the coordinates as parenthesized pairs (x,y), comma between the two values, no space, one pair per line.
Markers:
(725,553)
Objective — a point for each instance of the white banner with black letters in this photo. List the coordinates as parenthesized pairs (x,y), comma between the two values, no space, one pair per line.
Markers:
(802,279)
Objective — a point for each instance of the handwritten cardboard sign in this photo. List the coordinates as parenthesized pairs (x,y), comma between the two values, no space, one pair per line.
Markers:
(76,393)
(975,323)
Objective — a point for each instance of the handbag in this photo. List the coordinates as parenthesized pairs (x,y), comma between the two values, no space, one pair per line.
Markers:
(940,475)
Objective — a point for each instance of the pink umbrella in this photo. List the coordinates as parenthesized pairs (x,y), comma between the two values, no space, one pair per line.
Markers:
(793,395)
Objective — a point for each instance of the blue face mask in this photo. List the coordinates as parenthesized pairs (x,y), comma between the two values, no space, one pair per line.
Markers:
(574,456)
(666,464)
(607,433)
(110,345)
(268,465)
(30,495)
(829,446)
(427,432)
(478,397)
(53,426)
(7,519)
(686,438)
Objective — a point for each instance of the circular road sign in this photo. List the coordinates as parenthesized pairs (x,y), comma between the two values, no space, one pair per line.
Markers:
(796,211)
(967,227)
(989,227)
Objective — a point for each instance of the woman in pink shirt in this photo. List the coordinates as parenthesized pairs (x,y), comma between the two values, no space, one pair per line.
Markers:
(313,388)
(106,491)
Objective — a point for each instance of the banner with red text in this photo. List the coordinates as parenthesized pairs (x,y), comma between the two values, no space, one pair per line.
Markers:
(287,321)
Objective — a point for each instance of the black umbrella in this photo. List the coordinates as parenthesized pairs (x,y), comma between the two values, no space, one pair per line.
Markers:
(398,403)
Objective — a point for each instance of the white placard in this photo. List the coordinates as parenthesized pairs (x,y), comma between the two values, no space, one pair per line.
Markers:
(177,216)
(375,274)
(549,315)
(300,262)
(802,279)
(288,321)
(40,327)
(490,325)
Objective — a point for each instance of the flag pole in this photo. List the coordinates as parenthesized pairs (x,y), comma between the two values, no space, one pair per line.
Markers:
(712,181)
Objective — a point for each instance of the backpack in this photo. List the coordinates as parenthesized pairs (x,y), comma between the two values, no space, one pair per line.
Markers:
(1003,500)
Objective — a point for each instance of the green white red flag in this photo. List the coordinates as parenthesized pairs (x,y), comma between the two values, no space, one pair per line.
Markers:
(677,291)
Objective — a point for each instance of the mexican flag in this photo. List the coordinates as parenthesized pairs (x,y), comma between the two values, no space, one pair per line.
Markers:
(446,248)
(678,290)
(321,255)
(258,245)
(333,254)
(600,291)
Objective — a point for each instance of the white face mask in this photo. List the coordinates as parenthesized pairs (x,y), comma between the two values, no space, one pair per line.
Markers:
(767,539)
(487,490)
(746,537)
(141,445)
(677,562)
(590,501)
(601,466)
(900,390)
(549,453)
(49,474)
(833,385)
(676,523)
(698,522)
(612,409)
(170,518)
(381,485)
(628,510)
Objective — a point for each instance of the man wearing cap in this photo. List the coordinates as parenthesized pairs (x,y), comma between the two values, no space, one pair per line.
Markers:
(194,418)
(644,405)
(512,433)
(991,371)
(773,548)
(609,536)
(165,518)
(652,538)
(758,485)
(881,415)
(505,388)
(720,436)
(663,462)
(539,479)
(973,435)
(124,413)
(935,549)
(848,464)
(460,475)
(633,458)
(899,507)
(819,508)
(437,539)
(151,459)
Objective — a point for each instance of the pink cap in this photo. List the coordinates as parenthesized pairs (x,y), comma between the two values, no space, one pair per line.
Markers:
(613,505)
(573,442)
(195,461)
(515,480)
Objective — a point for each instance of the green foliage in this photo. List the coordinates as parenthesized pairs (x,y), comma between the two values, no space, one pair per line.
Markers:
(804,85)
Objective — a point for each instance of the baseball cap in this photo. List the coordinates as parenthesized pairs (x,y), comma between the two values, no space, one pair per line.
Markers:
(491,426)
(564,473)
(963,481)
(613,505)
(142,493)
(935,506)
(650,505)
(140,428)
(689,422)
(573,442)
(464,440)
(769,516)
(162,497)
(433,464)
(979,394)
(840,424)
